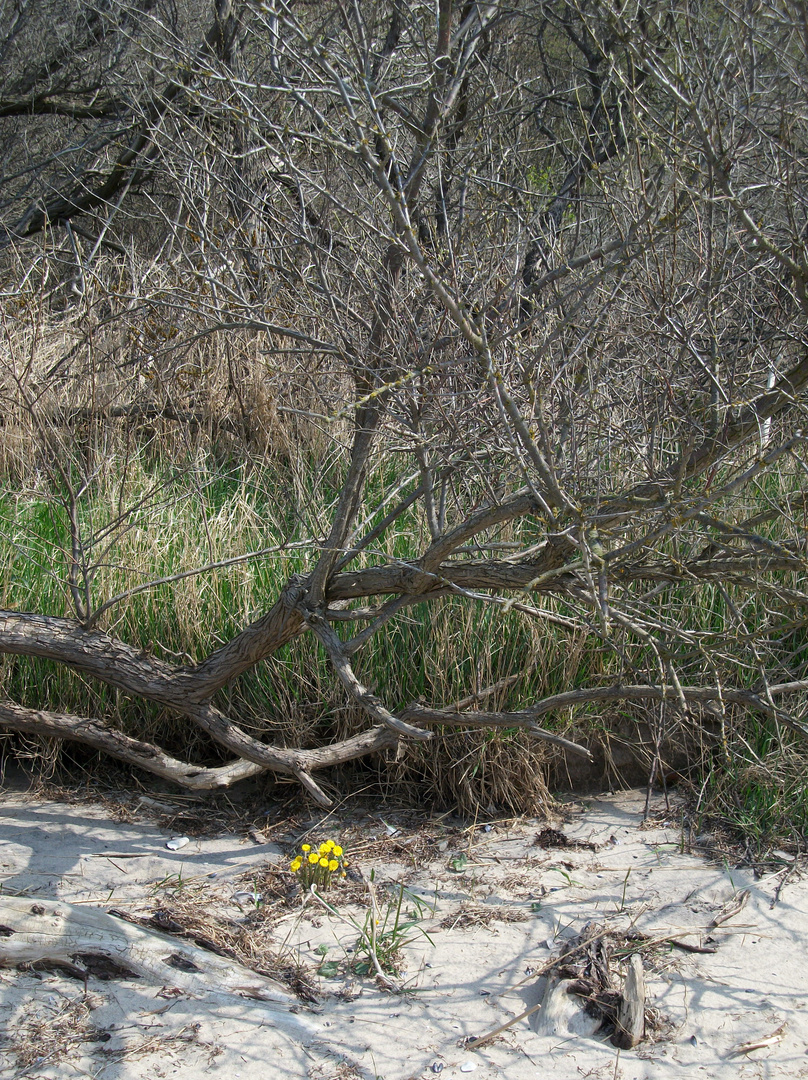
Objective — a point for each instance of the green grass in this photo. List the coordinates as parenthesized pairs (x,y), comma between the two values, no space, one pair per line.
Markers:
(762,802)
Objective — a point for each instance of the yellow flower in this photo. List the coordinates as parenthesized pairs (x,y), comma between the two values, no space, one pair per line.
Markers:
(306,847)
(333,865)
(314,857)
(337,850)
(296,863)
(324,863)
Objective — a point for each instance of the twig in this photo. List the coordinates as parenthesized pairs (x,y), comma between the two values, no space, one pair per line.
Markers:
(759,1044)
(736,908)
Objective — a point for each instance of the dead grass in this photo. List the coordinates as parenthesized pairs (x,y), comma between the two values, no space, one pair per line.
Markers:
(554,838)
(342,1071)
(470,915)
(48,1034)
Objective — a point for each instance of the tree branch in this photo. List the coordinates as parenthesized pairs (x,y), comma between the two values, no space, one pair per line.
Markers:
(360,694)
(134,752)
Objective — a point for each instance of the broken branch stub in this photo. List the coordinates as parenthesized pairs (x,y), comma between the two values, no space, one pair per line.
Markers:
(630,1023)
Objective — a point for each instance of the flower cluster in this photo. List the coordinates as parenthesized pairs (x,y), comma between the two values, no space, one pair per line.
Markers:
(318,867)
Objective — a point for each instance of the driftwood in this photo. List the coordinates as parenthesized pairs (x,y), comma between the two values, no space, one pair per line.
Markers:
(762,1043)
(562,1013)
(584,971)
(88,941)
(630,1025)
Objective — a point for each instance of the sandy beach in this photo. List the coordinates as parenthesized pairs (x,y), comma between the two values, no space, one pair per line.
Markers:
(489,905)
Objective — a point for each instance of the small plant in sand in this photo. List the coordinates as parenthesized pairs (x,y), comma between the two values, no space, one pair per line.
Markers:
(386,930)
(383,932)
(318,867)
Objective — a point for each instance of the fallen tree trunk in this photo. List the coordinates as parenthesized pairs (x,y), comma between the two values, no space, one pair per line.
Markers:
(88,941)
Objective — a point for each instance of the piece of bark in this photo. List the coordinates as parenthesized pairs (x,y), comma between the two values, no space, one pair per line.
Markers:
(87,940)
(630,1026)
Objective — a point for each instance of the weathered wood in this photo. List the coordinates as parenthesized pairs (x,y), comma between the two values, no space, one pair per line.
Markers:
(147,756)
(82,937)
(563,1012)
(630,1025)
(151,758)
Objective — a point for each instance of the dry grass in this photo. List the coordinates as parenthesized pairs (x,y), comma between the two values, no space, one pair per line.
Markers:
(342,1071)
(554,838)
(470,915)
(196,915)
(48,1034)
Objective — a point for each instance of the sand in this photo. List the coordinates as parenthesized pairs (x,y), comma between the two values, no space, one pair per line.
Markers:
(494,908)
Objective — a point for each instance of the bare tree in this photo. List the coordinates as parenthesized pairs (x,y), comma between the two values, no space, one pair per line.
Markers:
(545,263)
